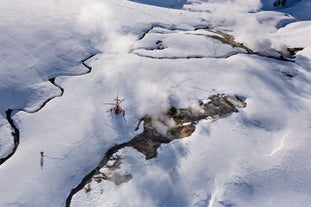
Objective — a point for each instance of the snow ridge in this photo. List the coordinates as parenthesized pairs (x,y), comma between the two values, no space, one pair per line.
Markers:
(159,50)
(10,112)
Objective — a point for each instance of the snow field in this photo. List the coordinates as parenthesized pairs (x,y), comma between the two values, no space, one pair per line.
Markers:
(257,157)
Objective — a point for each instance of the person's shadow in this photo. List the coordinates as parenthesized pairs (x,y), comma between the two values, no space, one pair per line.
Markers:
(41,160)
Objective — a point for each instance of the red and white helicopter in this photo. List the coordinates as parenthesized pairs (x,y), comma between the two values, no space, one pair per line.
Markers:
(116,110)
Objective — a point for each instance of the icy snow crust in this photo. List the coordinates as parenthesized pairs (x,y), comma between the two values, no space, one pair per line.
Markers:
(154,56)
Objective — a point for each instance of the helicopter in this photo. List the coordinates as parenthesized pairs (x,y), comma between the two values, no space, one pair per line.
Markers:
(116,110)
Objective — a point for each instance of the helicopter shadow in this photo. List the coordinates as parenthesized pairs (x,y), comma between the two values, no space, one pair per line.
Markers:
(121,127)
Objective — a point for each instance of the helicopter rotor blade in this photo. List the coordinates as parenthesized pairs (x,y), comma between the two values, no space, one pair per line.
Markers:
(120,101)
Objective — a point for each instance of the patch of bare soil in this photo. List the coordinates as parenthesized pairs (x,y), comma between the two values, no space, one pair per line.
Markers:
(108,172)
(184,120)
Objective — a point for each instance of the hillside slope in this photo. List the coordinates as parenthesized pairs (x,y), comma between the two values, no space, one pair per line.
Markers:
(61,61)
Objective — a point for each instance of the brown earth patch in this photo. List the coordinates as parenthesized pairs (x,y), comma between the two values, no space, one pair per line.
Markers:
(185,120)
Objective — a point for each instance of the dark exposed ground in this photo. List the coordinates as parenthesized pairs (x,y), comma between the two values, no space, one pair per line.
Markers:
(185,120)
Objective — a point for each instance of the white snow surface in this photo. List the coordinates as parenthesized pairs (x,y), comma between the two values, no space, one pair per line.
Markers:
(259,156)
(6,141)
